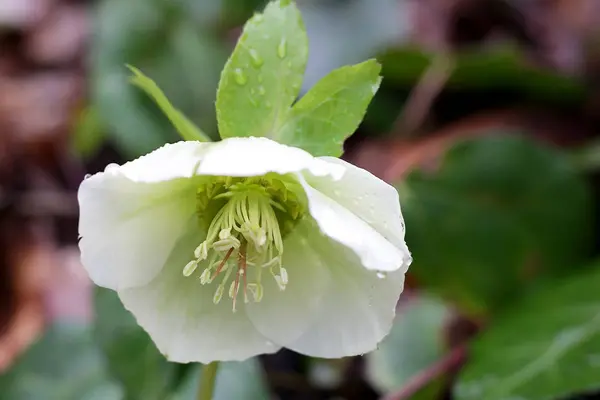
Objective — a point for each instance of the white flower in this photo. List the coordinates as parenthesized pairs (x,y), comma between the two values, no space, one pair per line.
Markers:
(227,250)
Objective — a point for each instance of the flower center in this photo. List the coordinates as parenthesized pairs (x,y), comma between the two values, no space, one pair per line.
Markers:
(246,220)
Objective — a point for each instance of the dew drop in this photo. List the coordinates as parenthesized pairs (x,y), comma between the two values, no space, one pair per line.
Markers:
(253,102)
(252,91)
(240,77)
(258,18)
(111,166)
(87,176)
(257,60)
(261,90)
(381,275)
(282,48)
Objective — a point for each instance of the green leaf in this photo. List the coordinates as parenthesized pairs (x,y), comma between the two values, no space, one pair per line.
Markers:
(414,344)
(65,364)
(331,110)
(235,380)
(545,347)
(498,68)
(262,78)
(184,126)
(132,357)
(500,211)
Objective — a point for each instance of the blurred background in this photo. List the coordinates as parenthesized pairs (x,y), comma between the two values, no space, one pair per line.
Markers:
(487,122)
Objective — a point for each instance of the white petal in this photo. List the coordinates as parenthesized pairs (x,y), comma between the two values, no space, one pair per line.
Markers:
(368,197)
(128,228)
(340,224)
(172,161)
(283,316)
(357,311)
(257,156)
(179,315)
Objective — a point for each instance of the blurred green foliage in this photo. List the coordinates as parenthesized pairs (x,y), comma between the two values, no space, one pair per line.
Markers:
(546,346)
(415,343)
(499,213)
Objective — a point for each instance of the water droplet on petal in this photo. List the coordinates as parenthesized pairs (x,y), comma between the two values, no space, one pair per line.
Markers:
(381,275)
(111,166)
(282,48)
(240,77)
(87,176)
(261,90)
(257,60)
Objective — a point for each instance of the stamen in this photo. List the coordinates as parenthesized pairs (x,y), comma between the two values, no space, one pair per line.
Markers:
(190,268)
(253,214)
(218,271)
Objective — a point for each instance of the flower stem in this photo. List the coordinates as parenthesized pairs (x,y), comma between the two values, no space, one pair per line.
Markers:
(208,375)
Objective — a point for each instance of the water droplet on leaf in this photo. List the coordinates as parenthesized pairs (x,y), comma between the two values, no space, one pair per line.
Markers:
(240,77)
(268,104)
(257,60)
(261,90)
(282,48)
(258,18)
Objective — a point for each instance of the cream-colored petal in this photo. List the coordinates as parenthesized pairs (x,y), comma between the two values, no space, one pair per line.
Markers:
(171,162)
(179,314)
(366,196)
(258,156)
(283,316)
(357,310)
(128,228)
(343,226)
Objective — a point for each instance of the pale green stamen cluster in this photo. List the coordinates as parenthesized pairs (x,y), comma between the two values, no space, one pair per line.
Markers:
(245,235)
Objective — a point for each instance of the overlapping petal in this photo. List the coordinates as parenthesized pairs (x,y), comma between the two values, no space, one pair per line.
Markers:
(340,224)
(129,228)
(357,310)
(366,196)
(284,316)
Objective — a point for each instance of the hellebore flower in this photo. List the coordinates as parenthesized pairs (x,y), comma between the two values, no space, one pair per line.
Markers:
(227,250)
